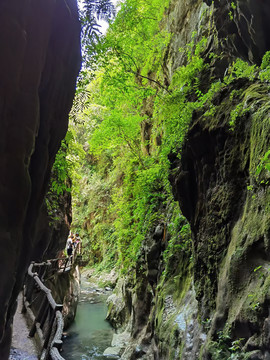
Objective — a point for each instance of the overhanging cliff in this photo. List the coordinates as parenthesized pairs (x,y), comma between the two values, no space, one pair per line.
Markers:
(39,63)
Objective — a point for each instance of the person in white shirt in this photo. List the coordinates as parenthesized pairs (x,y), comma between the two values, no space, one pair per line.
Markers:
(69,246)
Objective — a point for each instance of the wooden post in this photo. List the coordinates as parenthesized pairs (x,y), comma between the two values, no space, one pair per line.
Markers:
(65,264)
(44,316)
(29,288)
(51,328)
(41,316)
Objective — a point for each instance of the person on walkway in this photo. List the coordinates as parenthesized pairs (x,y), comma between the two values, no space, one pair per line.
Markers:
(78,243)
(73,238)
(69,245)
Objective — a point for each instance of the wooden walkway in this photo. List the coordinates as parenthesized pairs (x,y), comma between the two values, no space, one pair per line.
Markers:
(22,347)
(44,313)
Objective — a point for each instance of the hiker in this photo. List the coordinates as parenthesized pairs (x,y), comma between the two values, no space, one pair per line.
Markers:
(73,238)
(69,245)
(78,243)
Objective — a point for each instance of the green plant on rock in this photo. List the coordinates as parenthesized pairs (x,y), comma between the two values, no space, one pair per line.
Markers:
(240,69)
(173,110)
(264,164)
(232,10)
(254,304)
(67,159)
(265,61)
(225,349)
(236,113)
(180,241)
(265,68)
(237,345)
(207,324)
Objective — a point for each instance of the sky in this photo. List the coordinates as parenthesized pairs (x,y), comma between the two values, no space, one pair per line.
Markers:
(103,24)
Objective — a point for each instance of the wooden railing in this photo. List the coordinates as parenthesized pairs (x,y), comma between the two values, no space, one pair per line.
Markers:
(45,314)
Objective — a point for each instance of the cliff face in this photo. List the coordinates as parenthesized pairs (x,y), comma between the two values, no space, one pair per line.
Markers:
(228,208)
(215,305)
(243,27)
(39,62)
(223,199)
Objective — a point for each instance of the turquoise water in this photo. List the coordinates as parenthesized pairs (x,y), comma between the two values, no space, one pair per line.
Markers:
(90,334)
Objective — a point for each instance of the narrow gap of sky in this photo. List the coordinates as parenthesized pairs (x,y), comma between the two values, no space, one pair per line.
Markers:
(103,24)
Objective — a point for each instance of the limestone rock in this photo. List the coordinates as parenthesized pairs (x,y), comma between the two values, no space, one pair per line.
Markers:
(121,339)
(116,310)
(71,295)
(112,351)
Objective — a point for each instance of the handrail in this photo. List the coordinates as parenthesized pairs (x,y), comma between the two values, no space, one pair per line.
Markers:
(47,318)
(43,288)
(57,340)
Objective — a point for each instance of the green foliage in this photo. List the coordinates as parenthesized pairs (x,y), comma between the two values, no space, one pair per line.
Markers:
(237,345)
(60,171)
(257,268)
(174,109)
(67,159)
(264,74)
(240,69)
(91,12)
(180,236)
(237,112)
(126,121)
(134,184)
(254,304)
(265,68)
(225,349)
(265,61)
(179,245)
(127,176)
(264,163)
(69,156)
(233,5)
(232,10)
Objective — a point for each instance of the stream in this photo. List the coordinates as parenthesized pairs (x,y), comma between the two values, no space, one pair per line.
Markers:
(90,334)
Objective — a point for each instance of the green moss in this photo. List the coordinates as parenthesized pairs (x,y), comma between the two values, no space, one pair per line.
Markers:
(258,97)
(176,288)
(244,284)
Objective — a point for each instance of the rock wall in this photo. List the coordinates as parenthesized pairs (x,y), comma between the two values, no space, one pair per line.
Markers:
(53,226)
(39,63)
(65,289)
(243,27)
(228,208)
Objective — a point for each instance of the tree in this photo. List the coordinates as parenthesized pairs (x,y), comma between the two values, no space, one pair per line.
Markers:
(92,11)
